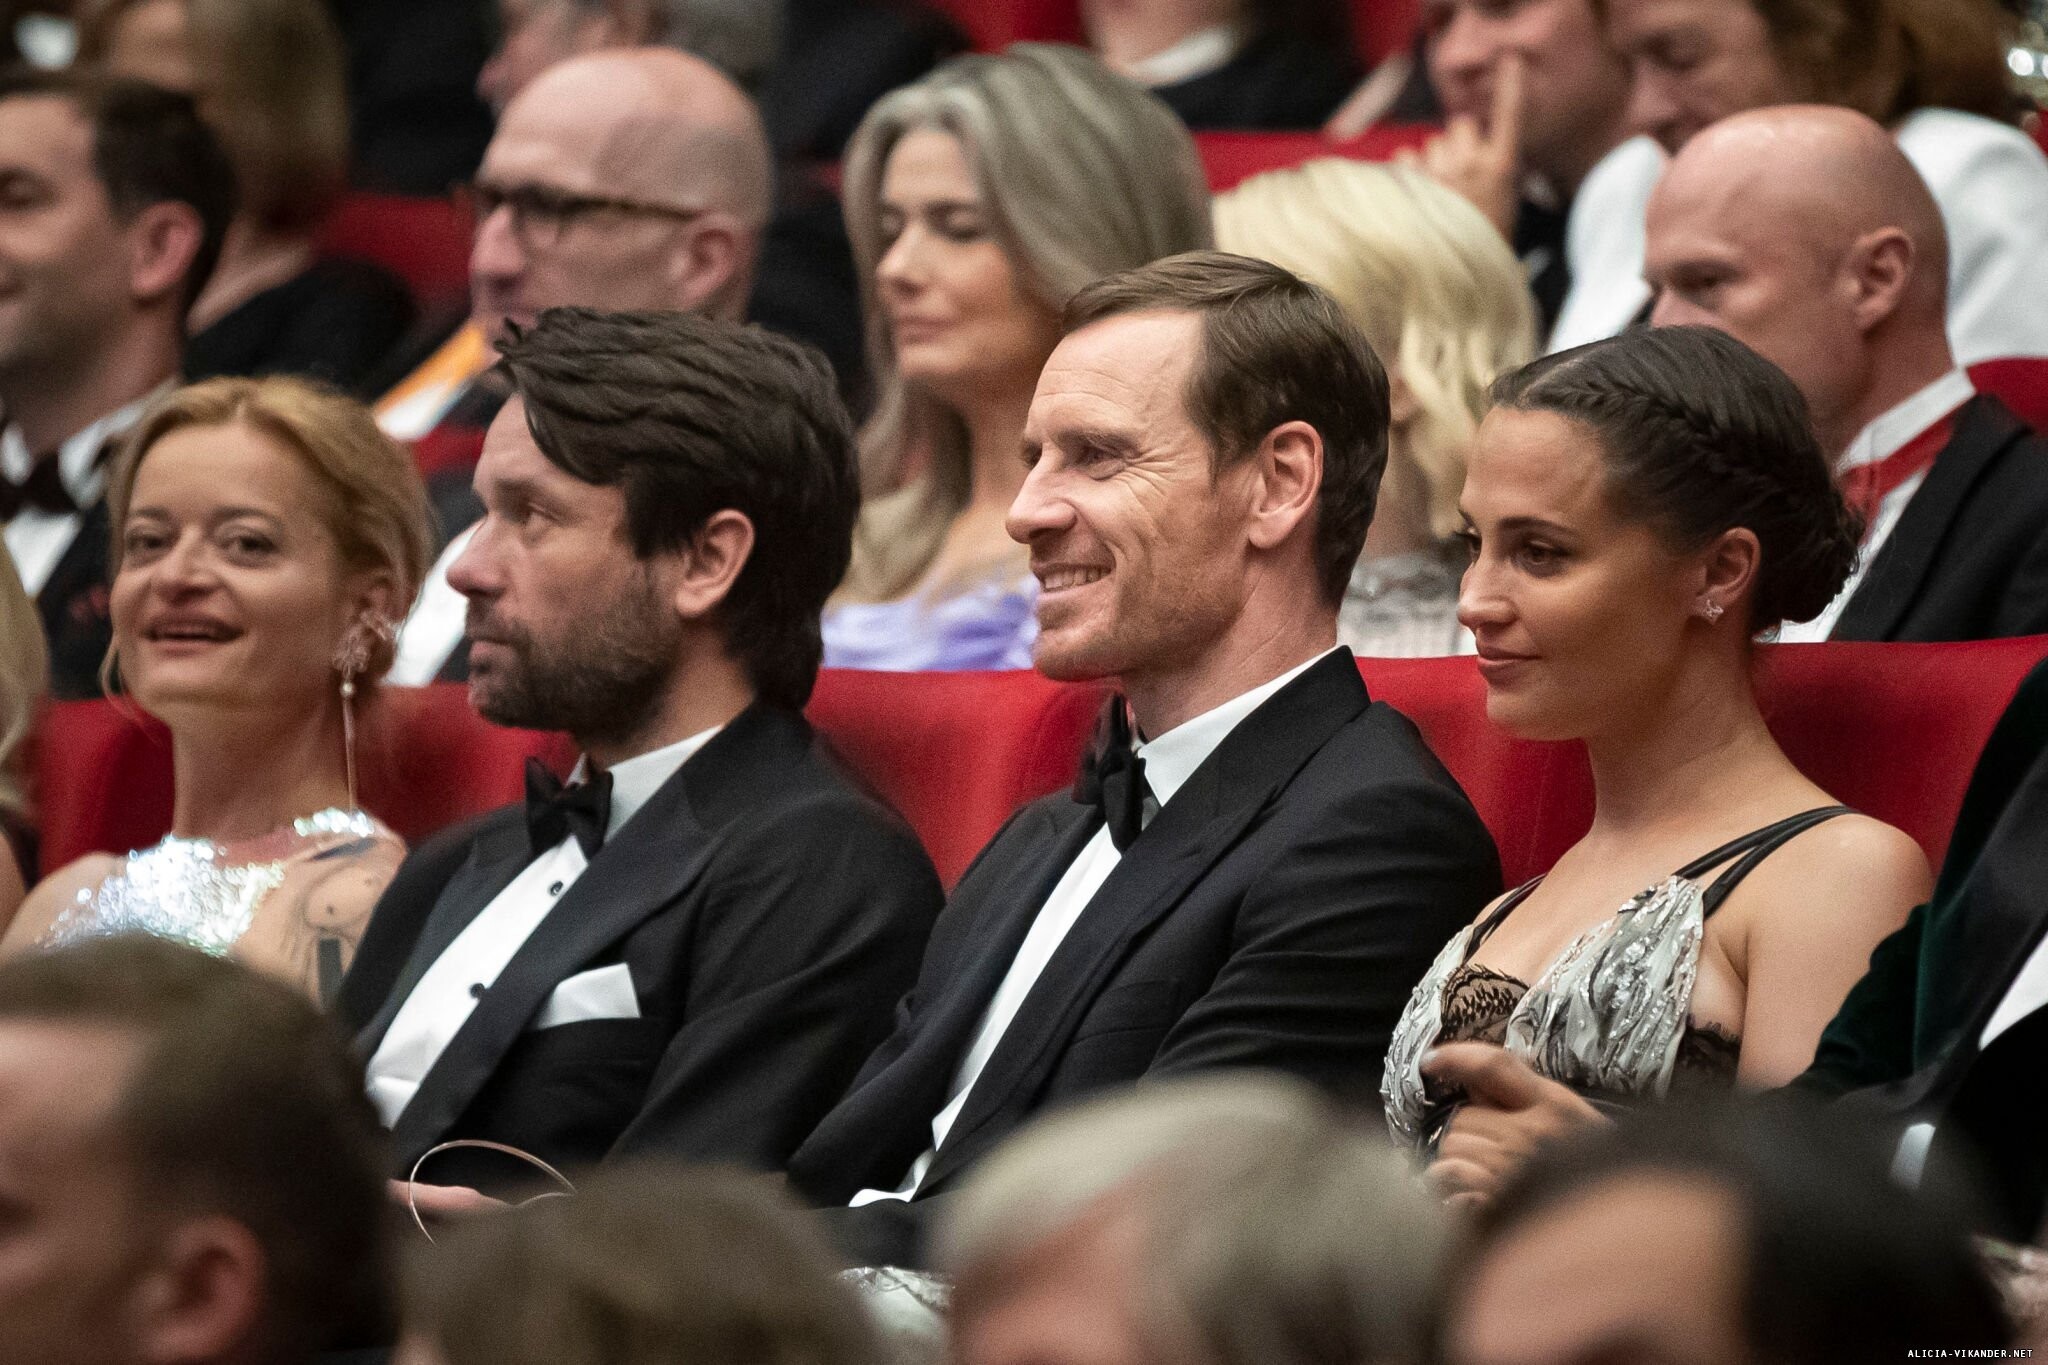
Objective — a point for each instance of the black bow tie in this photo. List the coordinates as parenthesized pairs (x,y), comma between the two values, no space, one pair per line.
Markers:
(43,490)
(554,812)
(1113,777)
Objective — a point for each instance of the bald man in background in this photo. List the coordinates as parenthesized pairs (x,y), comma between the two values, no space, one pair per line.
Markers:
(1805,232)
(631,179)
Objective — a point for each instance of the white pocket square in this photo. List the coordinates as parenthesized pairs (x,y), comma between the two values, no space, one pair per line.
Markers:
(600,993)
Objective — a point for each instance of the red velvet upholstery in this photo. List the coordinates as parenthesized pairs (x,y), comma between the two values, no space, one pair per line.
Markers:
(1379,27)
(1228,158)
(992,25)
(423,241)
(1893,730)
(2021,383)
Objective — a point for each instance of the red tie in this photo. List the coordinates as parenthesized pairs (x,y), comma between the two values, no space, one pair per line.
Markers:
(1867,485)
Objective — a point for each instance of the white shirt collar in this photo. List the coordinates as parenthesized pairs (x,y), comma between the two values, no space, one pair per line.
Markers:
(78,456)
(635,780)
(1890,431)
(1171,759)
(1198,54)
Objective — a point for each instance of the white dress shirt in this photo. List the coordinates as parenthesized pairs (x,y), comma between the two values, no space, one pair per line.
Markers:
(38,539)
(1198,54)
(1888,433)
(448,991)
(1603,245)
(433,630)
(1169,761)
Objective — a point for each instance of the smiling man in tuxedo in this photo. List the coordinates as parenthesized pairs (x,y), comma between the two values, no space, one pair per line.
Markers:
(113,201)
(690,949)
(1260,861)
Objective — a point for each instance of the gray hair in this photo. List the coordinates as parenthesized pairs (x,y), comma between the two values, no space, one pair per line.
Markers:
(1276,1230)
(1081,174)
(24,673)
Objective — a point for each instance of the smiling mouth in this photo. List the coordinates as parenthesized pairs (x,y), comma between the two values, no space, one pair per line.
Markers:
(1058,580)
(191,632)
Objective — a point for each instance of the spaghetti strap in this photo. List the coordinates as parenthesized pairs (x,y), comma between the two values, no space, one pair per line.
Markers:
(1500,912)
(1754,848)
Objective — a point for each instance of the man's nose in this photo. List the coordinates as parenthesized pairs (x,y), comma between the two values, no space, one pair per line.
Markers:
(1039,507)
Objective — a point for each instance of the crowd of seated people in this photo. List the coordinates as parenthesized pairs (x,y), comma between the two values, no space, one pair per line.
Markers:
(1650,364)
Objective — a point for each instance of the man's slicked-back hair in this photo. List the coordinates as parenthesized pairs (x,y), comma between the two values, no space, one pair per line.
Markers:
(149,146)
(244,1102)
(688,416)
(1275,349)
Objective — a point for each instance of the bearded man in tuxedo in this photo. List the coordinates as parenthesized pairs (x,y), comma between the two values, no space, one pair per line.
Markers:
(1260,861)
(690,949)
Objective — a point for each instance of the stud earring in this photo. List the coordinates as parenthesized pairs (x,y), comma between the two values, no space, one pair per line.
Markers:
(1711,612)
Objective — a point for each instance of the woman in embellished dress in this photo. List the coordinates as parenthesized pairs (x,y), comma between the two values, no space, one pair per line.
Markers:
(266,535)
(1639,510)
(978,200)
(1446,306)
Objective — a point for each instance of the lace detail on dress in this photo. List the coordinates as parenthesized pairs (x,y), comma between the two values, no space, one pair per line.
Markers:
(1611,1016)
(199,892)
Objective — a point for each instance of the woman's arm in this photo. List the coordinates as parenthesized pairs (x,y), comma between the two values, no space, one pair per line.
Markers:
(1812,913)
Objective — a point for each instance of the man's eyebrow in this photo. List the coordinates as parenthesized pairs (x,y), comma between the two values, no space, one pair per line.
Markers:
(1103,438)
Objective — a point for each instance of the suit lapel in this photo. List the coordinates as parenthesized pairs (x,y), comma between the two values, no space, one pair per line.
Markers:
(499,854)
(1896,577)
(642,870)
(1191,834)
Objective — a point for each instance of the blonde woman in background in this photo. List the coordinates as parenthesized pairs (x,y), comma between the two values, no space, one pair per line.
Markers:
(1445,305)
(270,79)
(978,200)
(266,538)
(24,668)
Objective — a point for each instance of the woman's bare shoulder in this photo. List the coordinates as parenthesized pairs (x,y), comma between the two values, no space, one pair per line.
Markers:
(49,897)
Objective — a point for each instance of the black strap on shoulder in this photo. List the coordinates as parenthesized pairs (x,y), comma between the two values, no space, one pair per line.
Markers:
(1500,912)
(1753,848)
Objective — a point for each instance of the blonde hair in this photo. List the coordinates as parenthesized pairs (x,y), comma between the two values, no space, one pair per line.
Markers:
(272,83)
(378,512)
(1081,174)
(24,674)
(1427,279)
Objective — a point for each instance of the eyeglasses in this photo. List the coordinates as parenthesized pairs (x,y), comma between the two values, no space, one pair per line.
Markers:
(540,215)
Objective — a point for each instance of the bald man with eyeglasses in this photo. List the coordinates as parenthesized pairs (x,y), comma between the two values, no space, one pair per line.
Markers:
(626,180)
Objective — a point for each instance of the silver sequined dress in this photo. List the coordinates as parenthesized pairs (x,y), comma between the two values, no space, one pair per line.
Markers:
(1609,1016)
(198,892)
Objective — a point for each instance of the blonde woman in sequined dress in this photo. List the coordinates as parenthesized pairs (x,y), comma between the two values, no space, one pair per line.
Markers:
(265,535)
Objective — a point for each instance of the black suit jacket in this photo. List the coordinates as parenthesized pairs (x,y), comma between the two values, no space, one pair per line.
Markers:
(1276,913)
(770,916)
(73,606)
(1968,559)
(1904,1044)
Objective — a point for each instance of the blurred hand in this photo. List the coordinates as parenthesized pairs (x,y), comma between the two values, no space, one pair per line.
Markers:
(1509,1112)
(1483,166)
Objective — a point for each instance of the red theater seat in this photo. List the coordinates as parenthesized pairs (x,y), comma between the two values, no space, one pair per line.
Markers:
(992,25)
(1893,730)
(2021,383)
(423,241)
(1228,158)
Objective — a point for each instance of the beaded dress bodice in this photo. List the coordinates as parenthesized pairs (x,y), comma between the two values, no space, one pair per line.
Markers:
(1610,1017)
(199,892)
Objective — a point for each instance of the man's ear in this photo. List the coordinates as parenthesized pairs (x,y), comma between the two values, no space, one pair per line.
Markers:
(1287,471)
(1401,405)
(163,241)
(203,1296)
(705,261)
(709,564)
(1879,266)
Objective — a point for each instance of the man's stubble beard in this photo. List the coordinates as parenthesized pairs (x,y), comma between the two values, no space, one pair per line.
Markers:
(604,687)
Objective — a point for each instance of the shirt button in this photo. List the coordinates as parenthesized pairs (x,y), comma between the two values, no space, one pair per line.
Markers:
(476,990)
(554,888)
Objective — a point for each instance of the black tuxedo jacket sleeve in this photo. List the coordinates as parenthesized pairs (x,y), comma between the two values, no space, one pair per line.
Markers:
(770,916)
(1276,913)
(1904,1045)
(1968,559)
(73,608)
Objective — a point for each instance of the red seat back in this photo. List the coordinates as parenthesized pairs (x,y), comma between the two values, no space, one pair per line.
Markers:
(2020,382)
(1228,158)
(1379,27)
(992,25)
(423,241)
(1893,730)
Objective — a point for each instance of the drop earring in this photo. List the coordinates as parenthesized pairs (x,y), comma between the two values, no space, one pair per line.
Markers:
(352,660)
